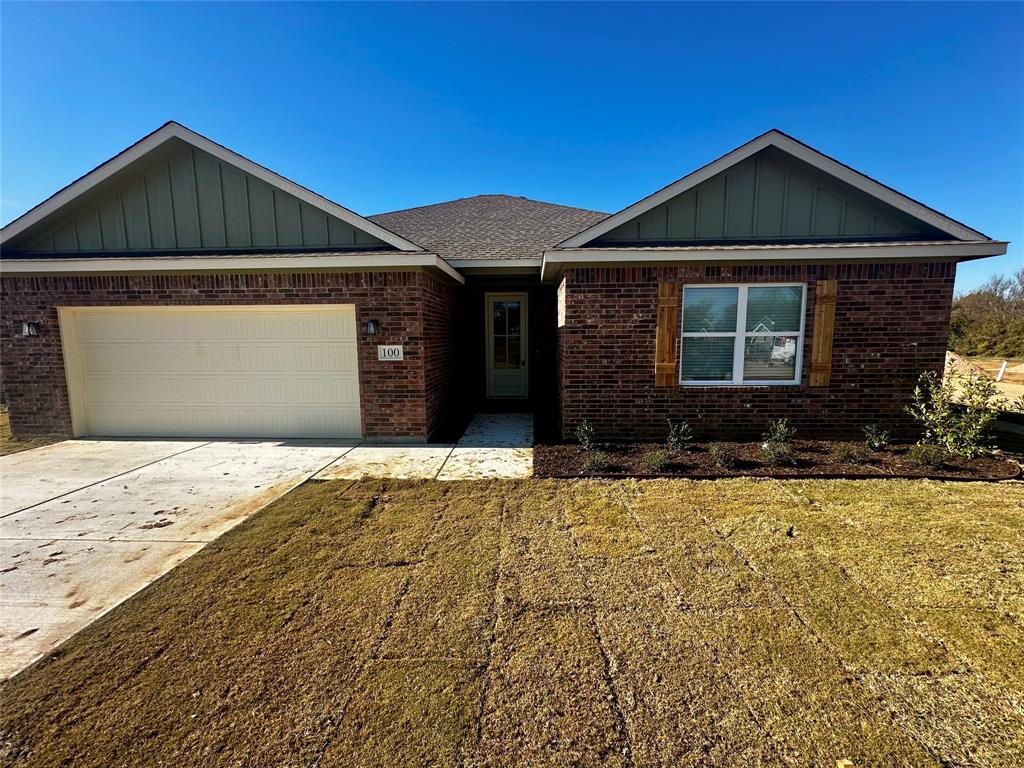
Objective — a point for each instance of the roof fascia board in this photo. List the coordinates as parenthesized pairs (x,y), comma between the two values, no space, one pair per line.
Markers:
(248,263)
(174,130)
(556,260)
(799,150)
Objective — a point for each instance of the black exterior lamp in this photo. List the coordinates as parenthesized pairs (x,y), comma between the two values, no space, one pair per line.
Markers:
(372,327)
(29,328)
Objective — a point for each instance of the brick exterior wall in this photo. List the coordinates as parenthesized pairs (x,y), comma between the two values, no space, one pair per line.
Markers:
(399,399)
(891,325)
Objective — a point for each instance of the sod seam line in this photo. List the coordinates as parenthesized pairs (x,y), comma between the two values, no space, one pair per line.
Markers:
(769,739)
(485,689)
(825,644)
(621,722)
(358,678)
(863,679)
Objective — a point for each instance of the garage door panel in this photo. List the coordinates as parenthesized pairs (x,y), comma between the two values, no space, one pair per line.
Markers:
(216,357)
(236,372)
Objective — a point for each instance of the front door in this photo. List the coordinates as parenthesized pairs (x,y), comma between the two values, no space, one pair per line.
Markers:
(506,344)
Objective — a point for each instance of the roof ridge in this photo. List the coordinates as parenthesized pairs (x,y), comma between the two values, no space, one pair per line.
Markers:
(489,194)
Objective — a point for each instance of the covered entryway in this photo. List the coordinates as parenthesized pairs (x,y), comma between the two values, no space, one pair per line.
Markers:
(238,371)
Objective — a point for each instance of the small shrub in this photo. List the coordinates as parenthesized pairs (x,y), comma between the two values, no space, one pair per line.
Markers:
(597,461)
(850,453)
(779,431)
(657,461)
(586,435)
(680,436)
(875,438)
(722,455)
(778,454)
(927,455)
(956,413)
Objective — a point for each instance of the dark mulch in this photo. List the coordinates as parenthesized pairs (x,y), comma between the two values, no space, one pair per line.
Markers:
(814,458)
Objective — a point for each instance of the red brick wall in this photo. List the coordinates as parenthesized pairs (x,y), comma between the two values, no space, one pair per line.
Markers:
(891,325)
(439,353)
(399,398)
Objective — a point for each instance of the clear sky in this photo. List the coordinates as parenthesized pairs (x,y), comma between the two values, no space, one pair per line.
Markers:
(386,106)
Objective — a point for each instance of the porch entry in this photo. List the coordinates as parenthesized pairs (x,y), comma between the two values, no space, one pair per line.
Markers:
(507,344)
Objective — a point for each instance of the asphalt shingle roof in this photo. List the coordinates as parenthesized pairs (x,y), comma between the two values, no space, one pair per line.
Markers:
(489,226)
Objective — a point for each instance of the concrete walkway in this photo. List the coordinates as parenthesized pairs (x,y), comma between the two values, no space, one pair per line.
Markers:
(493,446)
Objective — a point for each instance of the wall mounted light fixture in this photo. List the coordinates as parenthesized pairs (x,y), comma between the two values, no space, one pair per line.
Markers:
(29,328)
(372,327)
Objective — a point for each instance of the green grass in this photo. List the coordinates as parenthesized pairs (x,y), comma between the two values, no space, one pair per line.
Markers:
(583,623)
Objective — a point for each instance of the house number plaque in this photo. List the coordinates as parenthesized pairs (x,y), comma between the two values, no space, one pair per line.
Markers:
(390,352)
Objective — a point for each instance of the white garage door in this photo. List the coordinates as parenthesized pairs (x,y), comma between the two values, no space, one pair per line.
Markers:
(274,371)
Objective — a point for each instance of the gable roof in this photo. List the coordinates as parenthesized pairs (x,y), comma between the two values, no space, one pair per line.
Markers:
(799,150)
(65,199)
(489,227)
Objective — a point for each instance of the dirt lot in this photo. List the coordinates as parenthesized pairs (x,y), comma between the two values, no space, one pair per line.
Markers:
(1012,384)
(585,623)
(11,444)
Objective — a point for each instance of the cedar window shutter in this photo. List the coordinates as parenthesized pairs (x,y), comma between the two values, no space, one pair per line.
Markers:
(824,329)
(666,340)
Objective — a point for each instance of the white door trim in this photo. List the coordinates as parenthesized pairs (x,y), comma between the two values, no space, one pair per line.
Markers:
(524,311)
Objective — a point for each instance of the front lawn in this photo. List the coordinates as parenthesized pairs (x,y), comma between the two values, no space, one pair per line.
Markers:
(583,623)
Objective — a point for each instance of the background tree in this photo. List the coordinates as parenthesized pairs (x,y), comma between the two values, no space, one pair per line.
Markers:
(989,321)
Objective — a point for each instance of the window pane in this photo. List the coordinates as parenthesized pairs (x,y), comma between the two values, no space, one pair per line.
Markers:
(774,309)
(770,358)
(513,317)
(709,309)
(499,352)
(707,359)
(513,352)
(499,317)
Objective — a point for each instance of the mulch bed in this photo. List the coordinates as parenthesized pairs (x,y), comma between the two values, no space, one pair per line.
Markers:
(814,459)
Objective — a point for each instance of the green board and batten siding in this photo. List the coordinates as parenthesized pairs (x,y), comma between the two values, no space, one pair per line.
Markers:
(192,201)
(766,197)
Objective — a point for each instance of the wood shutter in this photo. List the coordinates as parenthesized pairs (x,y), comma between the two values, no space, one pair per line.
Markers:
(824,329)
(666,340)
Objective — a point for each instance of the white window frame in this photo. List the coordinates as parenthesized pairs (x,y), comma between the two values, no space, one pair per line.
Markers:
(741,334)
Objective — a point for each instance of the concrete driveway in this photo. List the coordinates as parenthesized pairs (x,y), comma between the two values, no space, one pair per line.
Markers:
(85,524)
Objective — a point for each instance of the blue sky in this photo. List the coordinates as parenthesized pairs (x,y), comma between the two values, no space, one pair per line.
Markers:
(385,106)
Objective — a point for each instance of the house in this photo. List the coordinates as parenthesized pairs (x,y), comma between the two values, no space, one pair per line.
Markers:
(180,289)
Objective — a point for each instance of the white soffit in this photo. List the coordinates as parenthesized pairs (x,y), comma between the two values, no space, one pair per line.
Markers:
(174,130)
(559,259)
(368,261)
(811,156)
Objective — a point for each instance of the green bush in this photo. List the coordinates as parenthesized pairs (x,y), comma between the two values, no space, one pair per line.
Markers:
(778,454)
(875,438)
(586,436)
(597,461)
(657,461)
(722,455)
(779,431)
(927,455)
(680,436)
(849,453)
(956,412)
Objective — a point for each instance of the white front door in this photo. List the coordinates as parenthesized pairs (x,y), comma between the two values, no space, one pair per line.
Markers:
(507,359)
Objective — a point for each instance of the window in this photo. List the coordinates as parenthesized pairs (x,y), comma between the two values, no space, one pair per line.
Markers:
(741,334)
